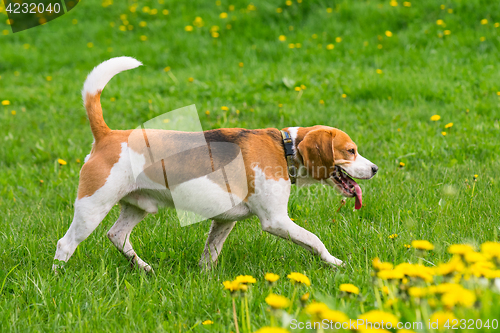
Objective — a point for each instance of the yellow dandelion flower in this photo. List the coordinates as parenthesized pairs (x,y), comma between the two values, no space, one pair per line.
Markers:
(484,21)
(190,79)
(390,274)
(321,101)
(224,108)
(497,25)
(49,78)
(491,249)
(13,112)
(297,89)
(271,277)
(401,164)
(5,102)
(61,161)
(407,4)
(449,125)
(379,46)
(288,2)
(215,34)
(329,10)
(298,45)
(207,112)
(241,64)
(472,257)
(207,322)
(188,28)
(334,316)
(349,288)
(439,22)
(279,10)
(379,71)
(303,87)
(291,45)
(388,33)
(422,245)
(305,297)
(316,308)
(338,39)
(232,286)
(443,133)
(167,69)
(435,117)
(90,45)
(417,292)
(5,32)
(444,288)
(282,38)
(144,38)
(482,39)
(122,28)
(277,301)
(376,316)
(381,266)
(299,278)
(393,3)
(464,298)
(165,12)
(143,24)
(330,47)
(461,249)
(441,318)
(231,8)
(268,329)
(344,96)
(452,266)
(112,99)
(447,32)
(223,15)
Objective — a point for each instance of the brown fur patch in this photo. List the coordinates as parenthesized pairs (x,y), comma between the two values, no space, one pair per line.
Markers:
(175,157)
(94,113)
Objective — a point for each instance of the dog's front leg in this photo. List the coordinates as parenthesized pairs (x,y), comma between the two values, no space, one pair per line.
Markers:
(284,227)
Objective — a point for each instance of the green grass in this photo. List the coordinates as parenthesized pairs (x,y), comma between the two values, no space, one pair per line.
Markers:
(424,72)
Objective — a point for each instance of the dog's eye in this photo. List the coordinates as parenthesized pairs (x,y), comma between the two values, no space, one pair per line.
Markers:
(352,151)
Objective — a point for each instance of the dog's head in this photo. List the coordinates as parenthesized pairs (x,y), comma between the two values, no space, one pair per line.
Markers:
(329,155)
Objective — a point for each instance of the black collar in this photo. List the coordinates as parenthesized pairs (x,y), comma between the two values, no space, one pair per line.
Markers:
(288,144)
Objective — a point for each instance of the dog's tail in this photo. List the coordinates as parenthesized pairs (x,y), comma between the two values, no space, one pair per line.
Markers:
(93,86)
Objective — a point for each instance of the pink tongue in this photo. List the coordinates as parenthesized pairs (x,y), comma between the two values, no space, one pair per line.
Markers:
(359,195)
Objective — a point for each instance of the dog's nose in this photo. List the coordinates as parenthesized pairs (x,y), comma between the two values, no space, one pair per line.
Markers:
(374,169)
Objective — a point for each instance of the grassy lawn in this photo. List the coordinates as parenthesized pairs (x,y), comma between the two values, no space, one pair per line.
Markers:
(377,71)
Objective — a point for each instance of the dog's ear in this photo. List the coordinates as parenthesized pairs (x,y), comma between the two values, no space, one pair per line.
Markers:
(316,150)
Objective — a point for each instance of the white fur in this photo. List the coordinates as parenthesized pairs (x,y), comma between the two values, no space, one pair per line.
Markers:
(293,134)
(361,168)
(101,74)
(270,204)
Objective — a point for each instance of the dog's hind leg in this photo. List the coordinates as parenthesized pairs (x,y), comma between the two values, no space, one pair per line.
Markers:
(216,237)
(119,233)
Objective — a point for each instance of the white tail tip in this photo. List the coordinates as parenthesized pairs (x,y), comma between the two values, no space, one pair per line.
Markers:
(102,73)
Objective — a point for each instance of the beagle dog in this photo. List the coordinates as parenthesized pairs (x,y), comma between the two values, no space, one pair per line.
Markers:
(271,159)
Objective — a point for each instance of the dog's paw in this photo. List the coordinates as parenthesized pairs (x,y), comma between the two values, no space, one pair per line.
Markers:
(58,266)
